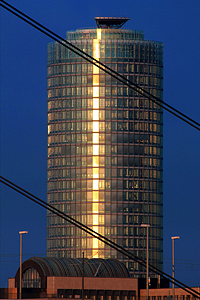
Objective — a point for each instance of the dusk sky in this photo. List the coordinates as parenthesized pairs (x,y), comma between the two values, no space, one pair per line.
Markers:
(24,117)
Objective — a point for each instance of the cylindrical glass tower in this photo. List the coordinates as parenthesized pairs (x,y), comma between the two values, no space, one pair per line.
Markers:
(105,147)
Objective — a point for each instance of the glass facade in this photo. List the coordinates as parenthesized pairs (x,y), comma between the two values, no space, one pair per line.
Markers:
(31,279)
(105,146)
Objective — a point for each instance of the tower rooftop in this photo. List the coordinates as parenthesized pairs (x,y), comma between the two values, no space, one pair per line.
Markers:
(110,22)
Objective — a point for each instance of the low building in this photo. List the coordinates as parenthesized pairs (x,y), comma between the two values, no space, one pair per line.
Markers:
(103,280)
(63,278)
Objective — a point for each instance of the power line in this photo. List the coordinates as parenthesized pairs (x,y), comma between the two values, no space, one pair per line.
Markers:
(185,265)
(182,260)
(24,254)
(166,261)
(96,235)
(126,82)
(101,66)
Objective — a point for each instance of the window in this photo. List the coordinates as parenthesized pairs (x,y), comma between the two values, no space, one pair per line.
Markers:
(31,279)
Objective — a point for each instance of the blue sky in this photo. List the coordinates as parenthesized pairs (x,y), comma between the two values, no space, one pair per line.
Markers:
(24,118)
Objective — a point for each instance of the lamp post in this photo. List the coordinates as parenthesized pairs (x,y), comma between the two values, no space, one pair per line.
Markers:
(83,277)
(147,279)
(20,267)
(173,238)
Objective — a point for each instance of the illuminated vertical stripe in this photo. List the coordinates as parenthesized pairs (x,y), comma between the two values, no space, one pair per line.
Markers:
(95,158)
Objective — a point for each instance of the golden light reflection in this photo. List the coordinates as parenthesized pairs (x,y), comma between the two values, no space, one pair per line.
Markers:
(95,185)
(96,50)
(95,245)
(95,220)
(98,33)
(95,80)
(95,70)
(95,138)
(95,126)
(95,114)
(96,103)
(95,149)
(96,208)
(95,195)
(95,253)
(95,172)
(95,159)
(95,91)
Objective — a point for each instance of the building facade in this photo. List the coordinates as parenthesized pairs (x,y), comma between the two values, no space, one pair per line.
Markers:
(105,147)
(62,278)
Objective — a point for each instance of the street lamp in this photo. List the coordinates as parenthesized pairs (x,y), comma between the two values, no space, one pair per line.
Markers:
(147,279)
(20,267)
(173,238)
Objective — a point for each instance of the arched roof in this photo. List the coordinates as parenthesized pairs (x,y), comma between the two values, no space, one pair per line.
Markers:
(72,267)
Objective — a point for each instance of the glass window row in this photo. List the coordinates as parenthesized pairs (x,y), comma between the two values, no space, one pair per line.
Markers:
(112,207)
(84,196)
(88,115)
(55,136)
(111,138)
(103,126)
(87,150)
(110,219)
(103,91)
(83,127)
(140,51)
(119,230)
(113,103)
(124,242)
(110,149)
(72,162)
(101,161)
(116,34)
(114,138)
(85,68)
(113,161)
(104,172)
(103,80)
(63,94)
(104,185)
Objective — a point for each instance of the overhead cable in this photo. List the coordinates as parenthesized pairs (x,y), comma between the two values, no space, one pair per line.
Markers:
(100,65)
(96,235)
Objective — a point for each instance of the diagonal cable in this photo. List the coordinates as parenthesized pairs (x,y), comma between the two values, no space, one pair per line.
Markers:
(120,78)
(96,235)
(100,65)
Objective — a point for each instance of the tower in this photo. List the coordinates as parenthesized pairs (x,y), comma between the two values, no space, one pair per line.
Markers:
(105,144)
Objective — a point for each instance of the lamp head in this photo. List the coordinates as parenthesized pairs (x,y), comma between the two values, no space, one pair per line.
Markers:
(175,237)
(145,225)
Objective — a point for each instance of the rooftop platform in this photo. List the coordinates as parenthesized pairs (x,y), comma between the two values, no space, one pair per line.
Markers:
(110,22)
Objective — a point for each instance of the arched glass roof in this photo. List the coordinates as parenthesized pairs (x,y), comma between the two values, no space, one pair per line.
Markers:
(72,267)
